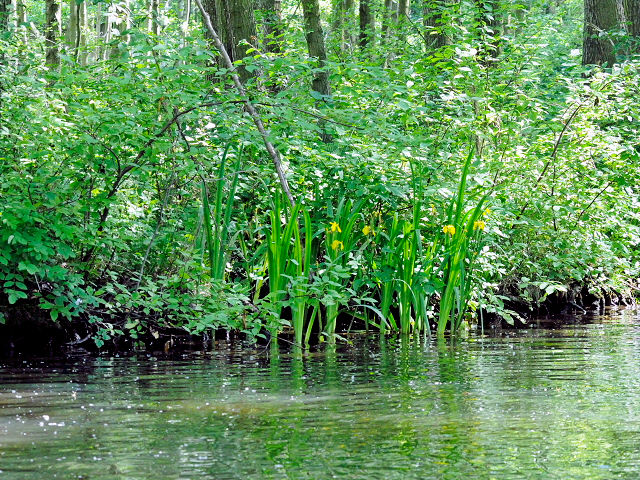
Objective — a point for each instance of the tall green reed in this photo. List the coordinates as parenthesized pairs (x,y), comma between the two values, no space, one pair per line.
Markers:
(289,260)
(404,276)
(462,242)
(217,224)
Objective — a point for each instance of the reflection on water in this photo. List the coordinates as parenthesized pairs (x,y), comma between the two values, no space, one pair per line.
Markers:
(533,404)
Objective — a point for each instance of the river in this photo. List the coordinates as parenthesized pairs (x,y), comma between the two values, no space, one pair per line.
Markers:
(539,403)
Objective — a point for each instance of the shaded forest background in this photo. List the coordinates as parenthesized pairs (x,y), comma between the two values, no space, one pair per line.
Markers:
(409,166)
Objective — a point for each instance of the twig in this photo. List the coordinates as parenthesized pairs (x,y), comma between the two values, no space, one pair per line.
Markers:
(551,158)
(584,210)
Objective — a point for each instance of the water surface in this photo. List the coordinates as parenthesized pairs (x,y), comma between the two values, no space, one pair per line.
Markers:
(533,404)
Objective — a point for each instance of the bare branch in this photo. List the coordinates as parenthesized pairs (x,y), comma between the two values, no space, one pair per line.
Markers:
(275,155)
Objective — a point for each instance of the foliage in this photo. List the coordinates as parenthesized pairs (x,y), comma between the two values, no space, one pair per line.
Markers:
(136,198)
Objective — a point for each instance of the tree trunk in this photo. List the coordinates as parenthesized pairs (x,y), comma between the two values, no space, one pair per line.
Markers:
(21,12)
(403,19)
(236,27)
(72,27)
(242,25)
(152,17)
(488,26)
(315,44)
(600,16)
(389,14)
(83,27)
(367,23)
(7,9)
(273,28)
(631,22)
(184,26)
(75,35)
(349,25)
(253,113)
(52,32)
(342,23)
(434,23)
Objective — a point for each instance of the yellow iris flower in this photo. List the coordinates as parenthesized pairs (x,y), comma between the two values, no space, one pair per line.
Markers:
(449,230)
(337,245)
(479,225)
(335,227)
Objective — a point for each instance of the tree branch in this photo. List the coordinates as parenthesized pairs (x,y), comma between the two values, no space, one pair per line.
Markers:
(273,152)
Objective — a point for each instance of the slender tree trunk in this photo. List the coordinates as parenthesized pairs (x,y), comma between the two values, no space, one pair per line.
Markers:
(72,27)
(21,20)
(74,33)
(489,29)
(152,17)
(434,23)
(273,27)
(349,25)
(389,14)
(317,50)
(186,19)
(8,20)
(315,45)
(253,113)
(600,17)
(403,20)
(342,23)
(97,53)
(52,32)
(367,23)
(5,11)
(21,13)
(83,28)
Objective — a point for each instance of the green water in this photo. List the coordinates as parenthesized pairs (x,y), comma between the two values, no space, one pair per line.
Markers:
(534,404)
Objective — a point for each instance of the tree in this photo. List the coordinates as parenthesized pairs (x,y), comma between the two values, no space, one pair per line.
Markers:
(434,23)
(342,22)
(317,50)
(403,18)
(235,23)
(315,45)
(600,17)
(5,13)
(52,32)
(273,28)
(152,17)
(367,23)
(630,13)
(488,25)
(76,34)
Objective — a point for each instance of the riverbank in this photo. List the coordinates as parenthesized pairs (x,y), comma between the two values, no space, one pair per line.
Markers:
(30,331)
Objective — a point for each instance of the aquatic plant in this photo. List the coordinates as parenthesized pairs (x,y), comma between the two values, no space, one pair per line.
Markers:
(462,235)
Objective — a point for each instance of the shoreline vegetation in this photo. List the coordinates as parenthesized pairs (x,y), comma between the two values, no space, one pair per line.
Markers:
(308,172)
(37,335)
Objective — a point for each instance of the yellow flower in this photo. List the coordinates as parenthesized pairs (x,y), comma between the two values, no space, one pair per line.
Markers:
(486,212)
(449,230)
(335,227)
(479,225)
(368,230)
(337,245)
